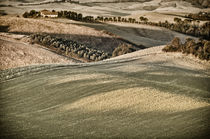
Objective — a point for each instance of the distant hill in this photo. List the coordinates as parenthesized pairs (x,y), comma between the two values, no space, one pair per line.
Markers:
(198,3)
(202,3)
(114,1)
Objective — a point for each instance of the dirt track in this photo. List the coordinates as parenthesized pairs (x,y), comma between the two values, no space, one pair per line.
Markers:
(144,94)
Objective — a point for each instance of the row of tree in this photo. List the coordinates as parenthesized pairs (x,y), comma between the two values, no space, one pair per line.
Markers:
(186,26)
(79,17)
(199,16)
(69,48)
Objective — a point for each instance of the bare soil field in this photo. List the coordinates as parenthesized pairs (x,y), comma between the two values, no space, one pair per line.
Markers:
(148,93)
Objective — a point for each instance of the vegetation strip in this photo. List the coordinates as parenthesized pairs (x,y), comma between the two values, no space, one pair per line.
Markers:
(69,48)
(200,49)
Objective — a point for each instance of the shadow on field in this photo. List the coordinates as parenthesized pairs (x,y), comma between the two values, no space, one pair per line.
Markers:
(137,36)
(157,37)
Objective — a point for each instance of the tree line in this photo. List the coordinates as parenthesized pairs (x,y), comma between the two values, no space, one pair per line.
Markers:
(189,26)
(69,48)
(200,49)
(205,16)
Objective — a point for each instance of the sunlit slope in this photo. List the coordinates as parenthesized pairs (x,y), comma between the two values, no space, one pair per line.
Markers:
(144,94)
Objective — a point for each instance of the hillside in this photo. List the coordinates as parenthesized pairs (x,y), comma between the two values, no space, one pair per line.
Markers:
(84,35)
(14,52)
(103,37)
(103,7)
(145,35)
(147,93)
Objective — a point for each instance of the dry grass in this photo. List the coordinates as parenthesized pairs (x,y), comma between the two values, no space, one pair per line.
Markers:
(136,100)
(16,53)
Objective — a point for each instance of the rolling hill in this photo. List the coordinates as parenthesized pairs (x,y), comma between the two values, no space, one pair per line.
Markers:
(144,94)
(147,93)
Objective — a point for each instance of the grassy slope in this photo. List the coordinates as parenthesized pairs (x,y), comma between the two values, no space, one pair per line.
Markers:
(144,94)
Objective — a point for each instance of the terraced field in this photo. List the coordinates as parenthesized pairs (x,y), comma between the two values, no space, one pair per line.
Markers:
(147,94)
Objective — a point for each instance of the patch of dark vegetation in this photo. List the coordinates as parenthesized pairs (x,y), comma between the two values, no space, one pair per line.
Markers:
(69,48)
(123,49)
(61,14)
(75,16)
(199,16)
(4,5)
(2,13)
(4,28)
(187,26)
(200,3)
(200,49)
(32,14)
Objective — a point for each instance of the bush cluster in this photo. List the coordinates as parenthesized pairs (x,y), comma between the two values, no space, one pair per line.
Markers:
(122,49)
(69,47)
(200,49)
(31,14)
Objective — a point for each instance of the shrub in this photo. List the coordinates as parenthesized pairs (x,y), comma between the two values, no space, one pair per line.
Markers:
(122,49)
(174,46)
(26,15)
